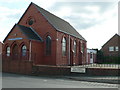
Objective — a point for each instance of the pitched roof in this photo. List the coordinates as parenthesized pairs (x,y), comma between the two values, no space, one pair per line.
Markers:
(58,23)
(116,35)
(29,32)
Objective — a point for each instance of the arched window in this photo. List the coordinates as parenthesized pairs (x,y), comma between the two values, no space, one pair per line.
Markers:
(24,50)
(8,51)
(64,47)
(75,47)
(83,47)
(48,45)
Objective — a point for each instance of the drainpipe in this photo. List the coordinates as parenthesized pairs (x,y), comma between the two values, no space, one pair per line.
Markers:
(69,51)
(30,50)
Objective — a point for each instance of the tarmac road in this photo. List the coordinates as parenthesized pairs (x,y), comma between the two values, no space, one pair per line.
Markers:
(24,81)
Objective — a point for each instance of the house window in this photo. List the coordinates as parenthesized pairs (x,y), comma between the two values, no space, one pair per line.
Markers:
(24,50)
(48,45)
(75,47)
(116,48)
(111,48)
(64,47)
(8,51)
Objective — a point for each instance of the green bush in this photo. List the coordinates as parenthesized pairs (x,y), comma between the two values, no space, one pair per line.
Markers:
(111,59)
(107,59)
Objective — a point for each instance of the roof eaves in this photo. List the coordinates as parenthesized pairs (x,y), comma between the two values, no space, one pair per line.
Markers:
(70,34)
(36,34)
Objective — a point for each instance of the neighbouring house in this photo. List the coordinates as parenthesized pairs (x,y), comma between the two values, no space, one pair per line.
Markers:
(110,51)
(112,46)
(44,39)
(91,56)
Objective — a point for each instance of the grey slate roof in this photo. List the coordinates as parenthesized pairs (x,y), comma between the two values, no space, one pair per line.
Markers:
(29,32)
(58,23)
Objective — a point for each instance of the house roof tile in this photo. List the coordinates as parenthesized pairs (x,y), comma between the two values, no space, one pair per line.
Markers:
(29,32)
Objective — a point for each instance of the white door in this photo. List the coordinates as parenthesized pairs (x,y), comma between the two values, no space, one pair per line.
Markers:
(91,57)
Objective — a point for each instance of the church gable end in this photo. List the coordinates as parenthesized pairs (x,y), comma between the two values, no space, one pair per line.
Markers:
(34,18)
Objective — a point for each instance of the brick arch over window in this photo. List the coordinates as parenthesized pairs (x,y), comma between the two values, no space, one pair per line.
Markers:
(15,49)
(47,34)
(6,45)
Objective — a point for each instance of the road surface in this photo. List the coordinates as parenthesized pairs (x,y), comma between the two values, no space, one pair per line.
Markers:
(24,81)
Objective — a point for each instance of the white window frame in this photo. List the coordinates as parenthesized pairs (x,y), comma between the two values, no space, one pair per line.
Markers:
(111,48)
(116,48)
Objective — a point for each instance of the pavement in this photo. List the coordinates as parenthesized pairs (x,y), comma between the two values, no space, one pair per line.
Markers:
(99,79)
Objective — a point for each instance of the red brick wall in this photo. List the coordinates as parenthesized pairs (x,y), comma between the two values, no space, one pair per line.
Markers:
(15,66)
(37,52)
(64,60)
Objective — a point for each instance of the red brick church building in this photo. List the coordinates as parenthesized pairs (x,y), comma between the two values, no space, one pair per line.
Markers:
(44,39)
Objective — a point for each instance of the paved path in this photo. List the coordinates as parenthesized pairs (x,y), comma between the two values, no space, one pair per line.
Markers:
(99,79)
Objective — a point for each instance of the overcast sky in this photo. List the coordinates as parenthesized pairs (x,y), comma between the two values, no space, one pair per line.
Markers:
(95,20)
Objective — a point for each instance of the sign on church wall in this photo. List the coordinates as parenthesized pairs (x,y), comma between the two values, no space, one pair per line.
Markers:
(15,39)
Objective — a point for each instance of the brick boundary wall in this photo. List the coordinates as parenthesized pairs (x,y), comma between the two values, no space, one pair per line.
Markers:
(102,72)
(66,70)
(99,72)
(51,70)
(15,66)
(25,67)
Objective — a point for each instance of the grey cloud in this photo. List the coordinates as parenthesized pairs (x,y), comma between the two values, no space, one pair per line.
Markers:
(79,8)
(79,23)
